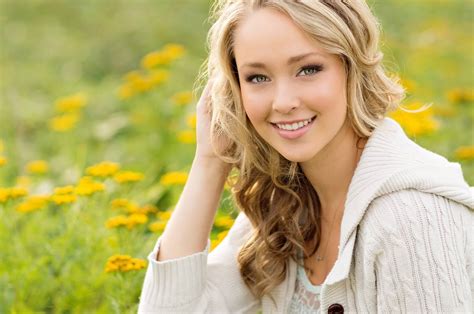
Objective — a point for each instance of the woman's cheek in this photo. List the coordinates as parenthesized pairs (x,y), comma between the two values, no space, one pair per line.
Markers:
(254,107)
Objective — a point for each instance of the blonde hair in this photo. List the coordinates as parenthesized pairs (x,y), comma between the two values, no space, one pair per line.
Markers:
(273,192)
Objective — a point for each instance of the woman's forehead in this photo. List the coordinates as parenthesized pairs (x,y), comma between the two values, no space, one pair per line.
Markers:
(268,33)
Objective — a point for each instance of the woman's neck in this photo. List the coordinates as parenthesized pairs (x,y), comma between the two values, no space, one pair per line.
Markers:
(331,171)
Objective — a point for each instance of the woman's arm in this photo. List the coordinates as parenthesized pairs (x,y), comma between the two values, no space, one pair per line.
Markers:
(181,277)
(190,224)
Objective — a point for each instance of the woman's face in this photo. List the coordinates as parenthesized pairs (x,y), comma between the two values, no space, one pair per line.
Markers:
(294,93)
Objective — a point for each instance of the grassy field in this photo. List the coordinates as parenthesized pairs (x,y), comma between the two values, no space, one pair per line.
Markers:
(97,133)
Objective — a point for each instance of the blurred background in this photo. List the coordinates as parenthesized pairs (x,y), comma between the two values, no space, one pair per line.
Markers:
(97,132)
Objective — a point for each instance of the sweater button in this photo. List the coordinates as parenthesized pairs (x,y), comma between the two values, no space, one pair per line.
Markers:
(335,308)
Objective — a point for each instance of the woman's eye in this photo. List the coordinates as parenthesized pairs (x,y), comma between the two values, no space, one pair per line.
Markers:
(311,69)
(252,77)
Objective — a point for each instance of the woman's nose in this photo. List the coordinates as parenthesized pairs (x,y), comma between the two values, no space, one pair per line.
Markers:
(285,100)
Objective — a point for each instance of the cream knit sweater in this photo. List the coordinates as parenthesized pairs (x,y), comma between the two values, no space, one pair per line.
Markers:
(406,245)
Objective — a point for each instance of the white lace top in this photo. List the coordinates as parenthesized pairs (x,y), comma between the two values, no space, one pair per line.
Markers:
(306,296)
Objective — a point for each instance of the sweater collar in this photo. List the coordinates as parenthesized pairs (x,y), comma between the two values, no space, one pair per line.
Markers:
(392,162)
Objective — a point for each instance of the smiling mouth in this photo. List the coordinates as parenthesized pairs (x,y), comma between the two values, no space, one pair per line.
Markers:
(294,126)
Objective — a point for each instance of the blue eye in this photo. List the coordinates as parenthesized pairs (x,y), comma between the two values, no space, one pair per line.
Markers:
(306,70)
(257,77)
(316,68)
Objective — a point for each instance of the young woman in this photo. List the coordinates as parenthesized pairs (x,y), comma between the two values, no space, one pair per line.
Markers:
(339,210)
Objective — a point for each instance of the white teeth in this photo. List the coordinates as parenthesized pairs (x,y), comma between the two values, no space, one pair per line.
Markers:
(294,126)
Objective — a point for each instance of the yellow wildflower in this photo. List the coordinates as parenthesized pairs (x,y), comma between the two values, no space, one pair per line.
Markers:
(68,189)
(174,51)
(128,176)
(71,103)
(459,95)
(187,136)
(37,167)
(17,191)
(409,85)
(182,98)
(3,161)
(4,194)
(64,195)
(146,209)
(465,152)
(157,77)
(124,263)
(116,221)
(64,122)
(224,222)
(155,58)
(63,198)
(191,120)
(121,203)
(33,203)
(87,186)
(218,240)
(136,219)
(157,226)
(125,91)
(11,193)
(103,169)
(416,123)
(174,178)
(137,82)
(164,215)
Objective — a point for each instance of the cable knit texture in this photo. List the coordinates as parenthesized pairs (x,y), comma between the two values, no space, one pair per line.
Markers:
(406,245)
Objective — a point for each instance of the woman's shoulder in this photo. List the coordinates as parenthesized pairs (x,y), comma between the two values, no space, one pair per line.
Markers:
(411,210)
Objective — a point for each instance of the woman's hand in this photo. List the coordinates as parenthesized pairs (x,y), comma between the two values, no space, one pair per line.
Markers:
(204,150)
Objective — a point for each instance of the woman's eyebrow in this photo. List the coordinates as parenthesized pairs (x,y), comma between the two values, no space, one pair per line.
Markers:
(289,62)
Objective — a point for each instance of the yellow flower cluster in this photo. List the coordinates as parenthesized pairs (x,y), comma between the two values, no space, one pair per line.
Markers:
(33,203)
(409,85)
(168,54)
(416,123)
(132,208)
(163,217)
(157,226)
(459,95)
(69,112)
(87,186)
(128,176)
(182,98)
(124,263)
(174,178)
(188,136)
(72,103)
(137,82)
(103,169)
(11,193)
(465,152)
(140,81)
(129,221)
(37,167)
(224,222)
(220,237)
(64,195)
(63,123)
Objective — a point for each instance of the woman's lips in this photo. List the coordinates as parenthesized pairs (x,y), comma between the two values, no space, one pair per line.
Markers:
(289,134)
